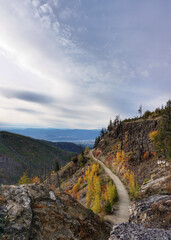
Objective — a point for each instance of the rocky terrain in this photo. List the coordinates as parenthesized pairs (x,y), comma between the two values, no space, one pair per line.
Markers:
(37,212)
(132,231)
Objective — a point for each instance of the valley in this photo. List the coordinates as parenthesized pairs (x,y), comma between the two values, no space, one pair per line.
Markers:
(122,187)
(19,154)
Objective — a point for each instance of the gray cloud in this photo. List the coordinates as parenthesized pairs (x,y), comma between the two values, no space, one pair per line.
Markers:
(92,60)
(28,96)
(29,111)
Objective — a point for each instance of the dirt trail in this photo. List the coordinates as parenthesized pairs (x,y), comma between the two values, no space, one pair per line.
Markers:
(122,214)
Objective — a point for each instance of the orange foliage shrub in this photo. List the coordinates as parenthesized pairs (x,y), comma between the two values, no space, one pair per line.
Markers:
(154,154)
(119,156)
(35,180)
(146,155)
(75,188)
(84,177)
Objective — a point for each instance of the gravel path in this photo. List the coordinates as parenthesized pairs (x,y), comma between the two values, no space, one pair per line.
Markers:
(122,214)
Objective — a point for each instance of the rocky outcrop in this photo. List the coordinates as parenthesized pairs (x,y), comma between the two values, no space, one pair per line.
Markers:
(132,137)
(154,186)
(132,231)
(154,211)
(37,212)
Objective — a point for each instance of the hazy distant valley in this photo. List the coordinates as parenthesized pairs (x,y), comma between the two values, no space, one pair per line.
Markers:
(77,136)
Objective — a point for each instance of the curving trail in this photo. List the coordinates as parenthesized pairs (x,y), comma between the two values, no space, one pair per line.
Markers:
(122,214)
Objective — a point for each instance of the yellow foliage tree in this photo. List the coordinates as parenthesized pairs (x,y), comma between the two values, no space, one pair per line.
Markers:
(24,179)
(95,168)
(86,150)
(75,189)
(97,204)
(133,186)
(87,172)
(153,135)
(119,156)
(111,193)
(97,185)
(123,155)
(79,180)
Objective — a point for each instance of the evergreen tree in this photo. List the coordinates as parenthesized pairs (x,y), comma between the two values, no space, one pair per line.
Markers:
(97,140)
(58,182)
(108,207)
(56,166)
(110,126)
(163,139)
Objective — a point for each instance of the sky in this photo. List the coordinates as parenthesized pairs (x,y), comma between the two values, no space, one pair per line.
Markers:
(79,63)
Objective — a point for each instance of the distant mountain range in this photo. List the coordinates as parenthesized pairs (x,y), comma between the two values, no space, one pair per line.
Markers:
(78,136)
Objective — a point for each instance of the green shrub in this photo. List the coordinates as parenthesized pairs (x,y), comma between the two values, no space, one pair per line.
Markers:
(108,207)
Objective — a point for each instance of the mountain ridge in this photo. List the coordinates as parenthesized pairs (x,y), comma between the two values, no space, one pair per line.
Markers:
(19,153)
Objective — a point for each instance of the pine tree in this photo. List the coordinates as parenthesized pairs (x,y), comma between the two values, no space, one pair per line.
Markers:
(163,138)
(110,126)
(58,182)
(108,207)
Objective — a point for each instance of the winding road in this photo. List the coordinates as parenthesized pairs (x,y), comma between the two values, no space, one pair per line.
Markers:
(122,213)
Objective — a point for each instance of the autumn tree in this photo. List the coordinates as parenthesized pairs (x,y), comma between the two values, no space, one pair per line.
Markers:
(35,180)
(111,193)
(86,150)
(97,204)
(24,179)
(75,189)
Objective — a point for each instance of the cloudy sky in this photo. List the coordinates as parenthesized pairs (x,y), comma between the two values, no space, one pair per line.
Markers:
(78,63)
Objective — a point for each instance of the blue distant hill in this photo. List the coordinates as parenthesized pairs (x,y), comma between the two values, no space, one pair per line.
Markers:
(78,136)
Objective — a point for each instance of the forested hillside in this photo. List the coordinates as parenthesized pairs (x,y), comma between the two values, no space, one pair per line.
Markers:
(19,154)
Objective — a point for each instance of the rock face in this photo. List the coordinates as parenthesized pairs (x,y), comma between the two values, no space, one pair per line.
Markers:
(131,136)
(131,231)
(154,211)
(37,212)
(153,186)
(147,217)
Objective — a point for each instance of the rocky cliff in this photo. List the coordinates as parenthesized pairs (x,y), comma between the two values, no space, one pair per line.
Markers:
(129,152)
(139,152)
(37,212)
